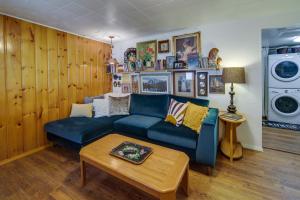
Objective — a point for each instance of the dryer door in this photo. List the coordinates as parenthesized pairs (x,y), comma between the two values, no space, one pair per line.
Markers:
(286,105)
(286,70)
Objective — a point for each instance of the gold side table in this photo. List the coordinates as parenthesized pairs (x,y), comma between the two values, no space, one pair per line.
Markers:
(230,147)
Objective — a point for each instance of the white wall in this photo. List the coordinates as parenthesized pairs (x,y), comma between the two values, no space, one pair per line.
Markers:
(240,45)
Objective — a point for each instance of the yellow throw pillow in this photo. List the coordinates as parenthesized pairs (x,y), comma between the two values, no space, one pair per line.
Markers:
(82,110)
(194,116)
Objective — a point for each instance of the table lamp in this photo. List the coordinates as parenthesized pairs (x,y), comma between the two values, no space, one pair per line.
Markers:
(233,75)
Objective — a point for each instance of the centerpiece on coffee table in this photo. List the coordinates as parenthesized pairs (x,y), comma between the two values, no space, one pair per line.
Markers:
(131,152)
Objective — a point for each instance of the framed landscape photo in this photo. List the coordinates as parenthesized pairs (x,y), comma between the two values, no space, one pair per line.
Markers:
(202,84)
(146,52)
(163,46)
(183,45)
(155,83)
(216,84)
(184,83)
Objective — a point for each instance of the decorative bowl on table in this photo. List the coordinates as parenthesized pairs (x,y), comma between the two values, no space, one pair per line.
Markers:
(132,152)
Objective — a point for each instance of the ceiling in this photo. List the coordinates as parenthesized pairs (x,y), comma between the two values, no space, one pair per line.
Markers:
(127,19)
(277,37)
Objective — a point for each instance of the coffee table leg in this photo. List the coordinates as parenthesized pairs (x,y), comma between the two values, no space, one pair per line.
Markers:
(83,172)
(168,196)
(185,181)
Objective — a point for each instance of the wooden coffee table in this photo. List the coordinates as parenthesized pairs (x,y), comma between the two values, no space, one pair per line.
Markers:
(160,175)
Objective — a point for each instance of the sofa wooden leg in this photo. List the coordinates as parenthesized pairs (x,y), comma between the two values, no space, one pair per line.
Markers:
(210,171)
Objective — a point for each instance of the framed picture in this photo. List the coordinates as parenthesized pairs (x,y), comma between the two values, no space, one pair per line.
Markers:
(216,84)
(158,83)
(163,46)
(135,85)
(146,52)
(178,65)
(170,61)
(193,61)
(184,83)
(186,44)
(126,88)
(202,84)
(130,55)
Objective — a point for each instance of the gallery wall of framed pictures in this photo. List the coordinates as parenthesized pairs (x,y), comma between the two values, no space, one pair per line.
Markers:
(181,69)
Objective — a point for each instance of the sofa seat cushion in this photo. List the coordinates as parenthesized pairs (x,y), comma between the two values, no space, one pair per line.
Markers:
(170,134)
(81,130)
(136,124)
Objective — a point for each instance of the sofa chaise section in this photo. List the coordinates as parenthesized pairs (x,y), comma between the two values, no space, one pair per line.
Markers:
(80,130)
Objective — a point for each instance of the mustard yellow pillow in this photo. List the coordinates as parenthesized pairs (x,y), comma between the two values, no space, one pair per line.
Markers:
(82,110)
(194,116)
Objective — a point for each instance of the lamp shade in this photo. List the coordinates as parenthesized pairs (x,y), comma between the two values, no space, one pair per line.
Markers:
(234,75)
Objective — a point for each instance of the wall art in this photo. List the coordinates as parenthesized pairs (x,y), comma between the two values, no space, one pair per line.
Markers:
(202,84)
(183,45)
(184,83)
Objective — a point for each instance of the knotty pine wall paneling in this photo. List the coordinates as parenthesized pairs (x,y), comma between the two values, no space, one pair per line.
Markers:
(14,112)
(42,72)
(42,96)
(3,117)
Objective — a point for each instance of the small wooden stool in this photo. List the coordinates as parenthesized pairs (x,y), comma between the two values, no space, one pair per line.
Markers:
(230,147)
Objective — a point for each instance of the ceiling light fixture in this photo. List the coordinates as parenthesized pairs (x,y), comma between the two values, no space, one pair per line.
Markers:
(112,61)
(297,39)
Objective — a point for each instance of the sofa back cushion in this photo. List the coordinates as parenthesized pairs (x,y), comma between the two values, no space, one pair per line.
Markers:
(200,102)
(149,105)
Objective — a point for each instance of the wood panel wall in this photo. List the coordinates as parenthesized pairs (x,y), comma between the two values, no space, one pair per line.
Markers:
(42,72)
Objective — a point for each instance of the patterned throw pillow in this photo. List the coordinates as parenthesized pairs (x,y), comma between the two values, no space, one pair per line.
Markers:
(176,112)
(118,105)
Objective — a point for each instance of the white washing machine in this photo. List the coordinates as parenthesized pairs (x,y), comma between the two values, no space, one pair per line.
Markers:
(284,70)
(284,105)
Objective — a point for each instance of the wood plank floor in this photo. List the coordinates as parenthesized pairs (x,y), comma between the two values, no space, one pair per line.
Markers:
(54,174)
(281,139)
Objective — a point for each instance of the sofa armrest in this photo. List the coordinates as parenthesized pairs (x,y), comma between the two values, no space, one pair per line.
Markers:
(207,145)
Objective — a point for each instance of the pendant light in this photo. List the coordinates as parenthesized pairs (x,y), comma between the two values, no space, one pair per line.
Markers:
(112,61)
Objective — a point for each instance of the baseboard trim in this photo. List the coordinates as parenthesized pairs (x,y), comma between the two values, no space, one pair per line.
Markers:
(253,147)
(27,153)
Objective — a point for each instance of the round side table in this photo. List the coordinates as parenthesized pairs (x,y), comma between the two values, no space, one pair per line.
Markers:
(230,147)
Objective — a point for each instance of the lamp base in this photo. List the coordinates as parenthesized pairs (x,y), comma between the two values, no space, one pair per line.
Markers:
(231,108)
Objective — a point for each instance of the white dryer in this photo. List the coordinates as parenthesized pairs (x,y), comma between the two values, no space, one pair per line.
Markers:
(284,70)
(284,105)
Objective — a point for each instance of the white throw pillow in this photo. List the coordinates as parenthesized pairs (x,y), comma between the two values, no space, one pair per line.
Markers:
(81,110)
(101,107)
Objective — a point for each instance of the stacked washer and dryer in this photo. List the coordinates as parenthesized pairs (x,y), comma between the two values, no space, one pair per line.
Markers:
(284,88)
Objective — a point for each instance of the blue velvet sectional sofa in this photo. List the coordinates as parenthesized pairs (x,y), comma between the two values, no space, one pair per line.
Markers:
(145,122)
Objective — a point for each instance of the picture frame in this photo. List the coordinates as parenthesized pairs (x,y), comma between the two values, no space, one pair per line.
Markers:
(216,84)
(193,61)
(155,83)
(147,53)
(170,62)
(164,46)
(135,84)
(179,65)
(185,44)
(126,88)
(202,84)
(184,83)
